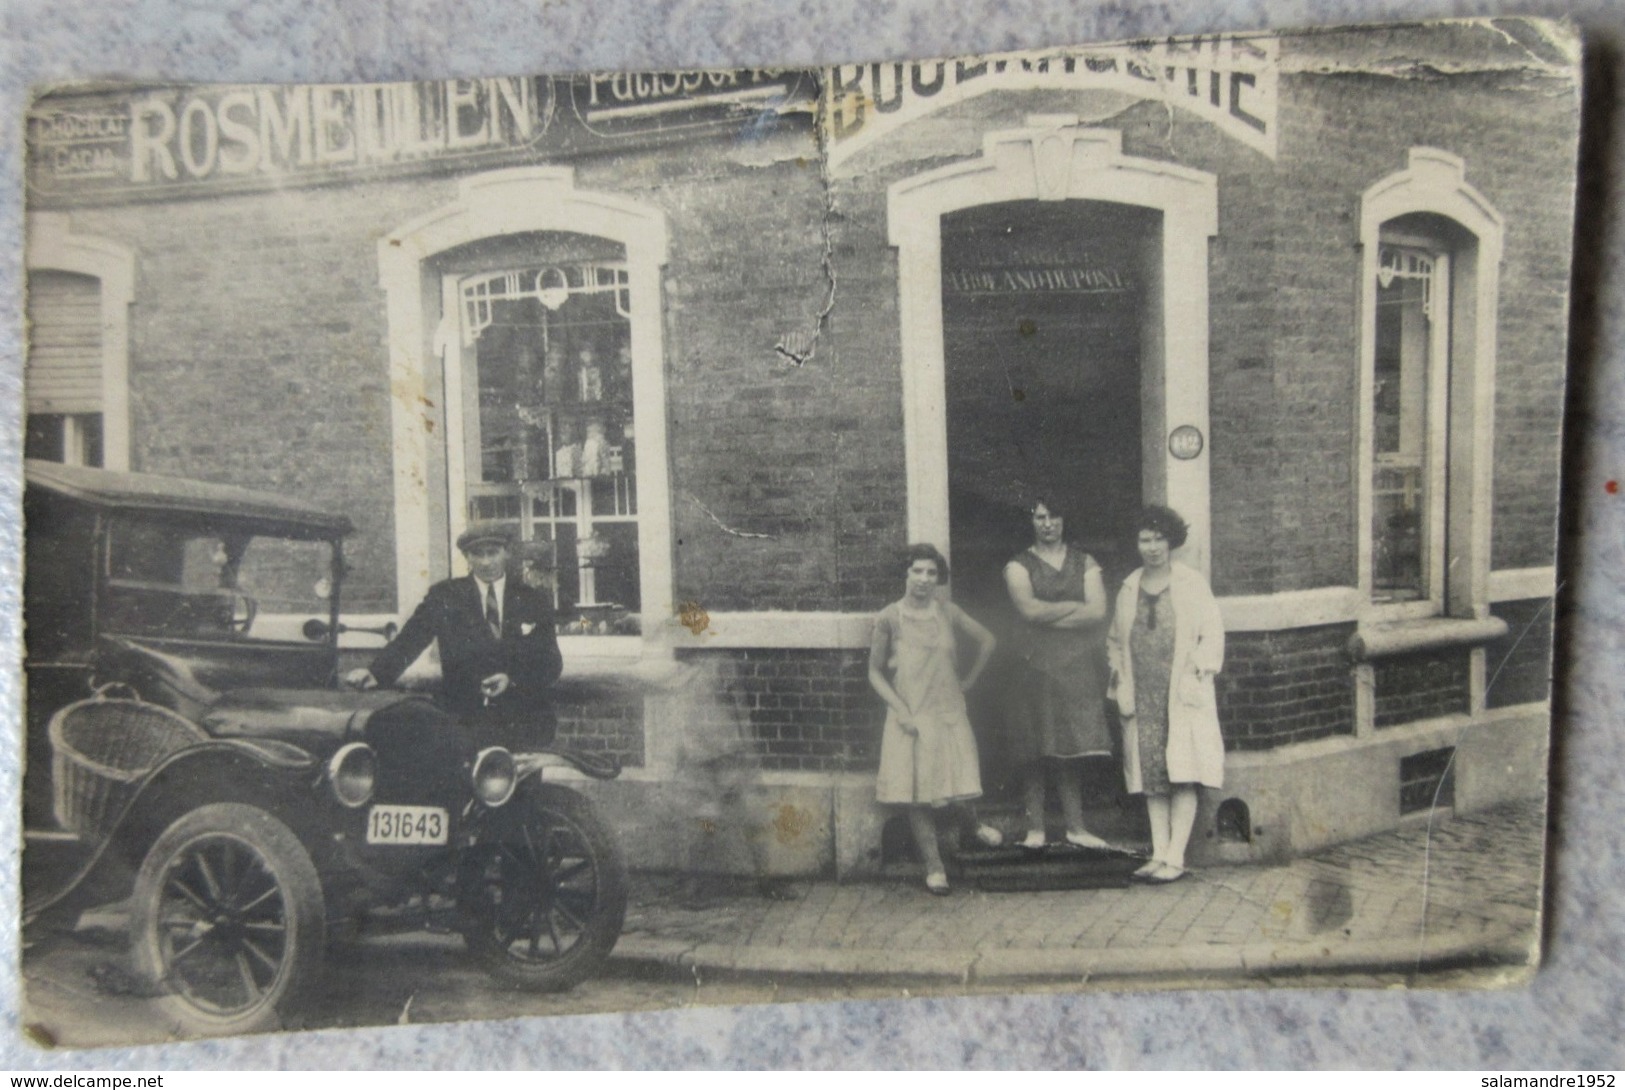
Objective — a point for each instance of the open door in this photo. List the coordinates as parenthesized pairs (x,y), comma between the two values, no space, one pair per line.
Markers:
(1050,310)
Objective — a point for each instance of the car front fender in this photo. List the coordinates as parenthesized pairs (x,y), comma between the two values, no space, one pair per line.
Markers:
(276,776)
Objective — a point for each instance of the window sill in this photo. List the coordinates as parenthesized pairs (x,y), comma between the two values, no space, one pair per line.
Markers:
(600,649)
(1377,641)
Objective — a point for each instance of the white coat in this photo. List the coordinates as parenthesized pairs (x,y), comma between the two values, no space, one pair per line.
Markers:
(1195,745)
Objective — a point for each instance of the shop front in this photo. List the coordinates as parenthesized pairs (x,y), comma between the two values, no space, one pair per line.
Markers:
(717,345)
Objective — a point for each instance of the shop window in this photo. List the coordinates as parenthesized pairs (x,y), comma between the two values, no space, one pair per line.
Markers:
(549,435)
(1408,395)
(1432,252)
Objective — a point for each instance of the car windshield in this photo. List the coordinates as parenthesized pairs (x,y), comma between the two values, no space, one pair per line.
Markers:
(208,581)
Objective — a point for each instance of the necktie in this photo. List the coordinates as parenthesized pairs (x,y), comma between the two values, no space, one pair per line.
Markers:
(493,618)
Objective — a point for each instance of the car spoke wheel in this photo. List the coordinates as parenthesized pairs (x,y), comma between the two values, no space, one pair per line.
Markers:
(543,891)
(228,920)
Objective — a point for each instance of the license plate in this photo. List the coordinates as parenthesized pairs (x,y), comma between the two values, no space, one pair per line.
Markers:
(407,825)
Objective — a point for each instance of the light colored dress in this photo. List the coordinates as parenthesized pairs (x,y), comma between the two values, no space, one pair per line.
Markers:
(1194,750)
(940,765)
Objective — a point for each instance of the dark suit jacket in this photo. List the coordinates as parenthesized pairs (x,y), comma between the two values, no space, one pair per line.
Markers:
(453,613)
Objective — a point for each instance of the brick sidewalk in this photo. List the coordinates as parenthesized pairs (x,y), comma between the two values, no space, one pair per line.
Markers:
(1465,891)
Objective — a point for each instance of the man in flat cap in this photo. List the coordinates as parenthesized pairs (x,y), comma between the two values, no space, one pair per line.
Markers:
(499,656)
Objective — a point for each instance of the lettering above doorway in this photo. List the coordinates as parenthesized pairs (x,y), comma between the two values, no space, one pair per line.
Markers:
(1229,80)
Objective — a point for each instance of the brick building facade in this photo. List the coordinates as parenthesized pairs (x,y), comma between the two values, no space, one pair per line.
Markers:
(720,343)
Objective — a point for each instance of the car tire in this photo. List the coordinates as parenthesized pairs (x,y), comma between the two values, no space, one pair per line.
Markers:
(227,921)
(543,890)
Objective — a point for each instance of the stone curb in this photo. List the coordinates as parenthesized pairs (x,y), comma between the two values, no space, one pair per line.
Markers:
(1075,965)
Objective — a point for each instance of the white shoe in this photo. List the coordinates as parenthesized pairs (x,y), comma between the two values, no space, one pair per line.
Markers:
(1035,840)
(989,837)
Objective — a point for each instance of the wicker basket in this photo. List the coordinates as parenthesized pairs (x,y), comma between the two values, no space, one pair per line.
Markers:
(100,750)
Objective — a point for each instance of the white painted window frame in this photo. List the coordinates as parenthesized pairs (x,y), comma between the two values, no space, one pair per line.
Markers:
(508,202)
(1434,182)
(52,245)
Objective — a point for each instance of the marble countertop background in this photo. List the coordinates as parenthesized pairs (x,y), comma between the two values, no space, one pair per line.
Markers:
(1567,1019)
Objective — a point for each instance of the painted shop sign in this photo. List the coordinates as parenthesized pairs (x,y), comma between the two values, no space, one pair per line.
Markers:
(1230,80)
(167,141)
(616,104)
(1006,281)
(185,137)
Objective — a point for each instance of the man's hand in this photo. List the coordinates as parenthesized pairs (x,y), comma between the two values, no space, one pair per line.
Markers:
(360,678)
(494,686)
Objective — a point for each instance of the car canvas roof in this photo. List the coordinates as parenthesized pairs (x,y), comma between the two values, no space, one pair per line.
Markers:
(150,492)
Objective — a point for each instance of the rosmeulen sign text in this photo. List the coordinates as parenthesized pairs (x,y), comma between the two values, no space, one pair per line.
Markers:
(208,138)
(189,135)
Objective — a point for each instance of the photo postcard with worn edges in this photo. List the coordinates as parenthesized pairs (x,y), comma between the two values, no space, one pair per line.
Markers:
(1064,519)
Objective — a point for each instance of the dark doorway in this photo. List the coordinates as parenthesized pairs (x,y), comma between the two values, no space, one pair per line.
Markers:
(1049,310)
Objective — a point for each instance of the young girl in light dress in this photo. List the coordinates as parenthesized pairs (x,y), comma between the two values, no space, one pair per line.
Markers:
(928,757)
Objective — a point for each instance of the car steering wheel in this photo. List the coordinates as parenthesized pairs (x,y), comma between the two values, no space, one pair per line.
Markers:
(240,623)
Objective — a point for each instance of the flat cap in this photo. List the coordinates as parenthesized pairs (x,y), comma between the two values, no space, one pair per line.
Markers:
(486,533)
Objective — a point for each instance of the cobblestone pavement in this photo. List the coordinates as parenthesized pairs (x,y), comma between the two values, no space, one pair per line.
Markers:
(1461,890)
(1348,917)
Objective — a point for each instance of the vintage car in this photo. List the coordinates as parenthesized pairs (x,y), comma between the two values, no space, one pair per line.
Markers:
(192,759)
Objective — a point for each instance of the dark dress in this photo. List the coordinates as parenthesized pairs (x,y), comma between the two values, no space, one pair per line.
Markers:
(1151,642)
(1057,697)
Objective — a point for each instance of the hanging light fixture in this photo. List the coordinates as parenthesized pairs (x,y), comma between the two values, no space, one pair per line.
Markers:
(552,287)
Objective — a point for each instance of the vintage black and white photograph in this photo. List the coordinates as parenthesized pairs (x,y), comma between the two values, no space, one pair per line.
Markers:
(1061,520)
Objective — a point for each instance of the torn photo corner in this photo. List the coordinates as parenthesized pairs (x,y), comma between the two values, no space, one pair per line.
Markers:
(1065,519)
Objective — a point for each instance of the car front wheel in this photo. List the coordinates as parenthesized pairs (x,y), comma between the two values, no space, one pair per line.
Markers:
(543,890)
(228,922)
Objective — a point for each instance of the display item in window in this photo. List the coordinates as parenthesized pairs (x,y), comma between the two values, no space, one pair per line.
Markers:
(554,389)
(594,451)
(619,383)
(519,456)
(567,458)
(591,377)
(593,547)
(629,456)
(538,568)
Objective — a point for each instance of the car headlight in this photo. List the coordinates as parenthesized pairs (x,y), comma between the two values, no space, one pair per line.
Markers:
(495,776)
(353,772)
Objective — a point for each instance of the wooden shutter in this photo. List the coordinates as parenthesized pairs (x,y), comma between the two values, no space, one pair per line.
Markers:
(64,372)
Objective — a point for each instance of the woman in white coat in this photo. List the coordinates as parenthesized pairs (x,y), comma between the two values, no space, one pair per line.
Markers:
(1165,645)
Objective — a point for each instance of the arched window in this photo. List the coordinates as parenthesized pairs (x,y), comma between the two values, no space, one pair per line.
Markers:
(1432,248)
(545,349)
